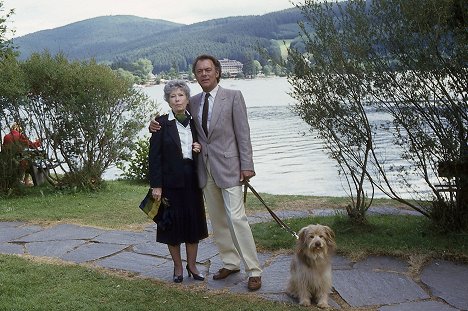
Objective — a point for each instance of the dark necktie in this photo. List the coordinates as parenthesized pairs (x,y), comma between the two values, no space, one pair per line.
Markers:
(205,114)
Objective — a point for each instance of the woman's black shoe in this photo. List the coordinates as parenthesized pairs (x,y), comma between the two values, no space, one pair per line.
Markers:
(198,277)
(178,278)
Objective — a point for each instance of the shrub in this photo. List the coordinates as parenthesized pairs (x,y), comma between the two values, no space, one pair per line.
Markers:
(137,167)
(10,173)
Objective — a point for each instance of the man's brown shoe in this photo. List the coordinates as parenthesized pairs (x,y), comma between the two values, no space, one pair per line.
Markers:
(224,273)
(255,282)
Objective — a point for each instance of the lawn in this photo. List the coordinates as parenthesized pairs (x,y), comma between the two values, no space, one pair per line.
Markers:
(407,237)
(31,284)
(28,283)
(116,206)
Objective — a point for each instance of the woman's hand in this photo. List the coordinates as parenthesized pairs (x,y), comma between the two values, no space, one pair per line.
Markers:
(196,147)
(156,192)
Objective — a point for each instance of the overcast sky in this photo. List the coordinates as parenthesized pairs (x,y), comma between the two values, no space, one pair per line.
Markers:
(34,15)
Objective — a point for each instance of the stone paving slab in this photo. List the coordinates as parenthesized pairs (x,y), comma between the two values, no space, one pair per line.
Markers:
(164,273)
(382,263)
(10,224)
(11,249)
(419,306)
(151,248)
(361,288)
(92,251)
(341,263)
(276,275)
(53,248)
(131,262)
(448,281)
(16,231)
(62,232)
(122,237)
(206,250)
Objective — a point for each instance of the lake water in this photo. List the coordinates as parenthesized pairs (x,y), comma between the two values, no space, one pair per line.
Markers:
(288,158)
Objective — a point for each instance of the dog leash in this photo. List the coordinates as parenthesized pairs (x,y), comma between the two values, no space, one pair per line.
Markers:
(275,217)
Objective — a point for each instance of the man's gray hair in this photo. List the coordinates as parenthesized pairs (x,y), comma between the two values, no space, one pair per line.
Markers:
(173,85)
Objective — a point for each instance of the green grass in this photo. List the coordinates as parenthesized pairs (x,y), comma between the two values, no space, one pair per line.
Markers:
(32,284)
(402,236)
(116,206)
(27,284)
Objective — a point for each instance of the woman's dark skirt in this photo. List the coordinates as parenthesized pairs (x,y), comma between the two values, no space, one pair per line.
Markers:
(187,211)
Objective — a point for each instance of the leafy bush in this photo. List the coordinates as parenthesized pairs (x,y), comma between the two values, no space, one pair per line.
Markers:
(137,167)
(10,173)
(88,115)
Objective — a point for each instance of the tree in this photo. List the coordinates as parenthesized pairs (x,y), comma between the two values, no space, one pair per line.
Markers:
(5,43)
(423,74)
(11,87)
(279,70)
(331,98)
(127,75)
(252,68)
(87,113)
(143,69)
(407,58)
(10,76)
(267,69)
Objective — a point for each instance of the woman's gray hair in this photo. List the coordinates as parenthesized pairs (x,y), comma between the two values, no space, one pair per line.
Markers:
(173,85)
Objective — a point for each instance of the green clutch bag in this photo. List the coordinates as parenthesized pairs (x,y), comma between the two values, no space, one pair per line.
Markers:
(157,211)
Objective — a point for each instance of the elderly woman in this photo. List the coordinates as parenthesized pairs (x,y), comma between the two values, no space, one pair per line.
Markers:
(172,158)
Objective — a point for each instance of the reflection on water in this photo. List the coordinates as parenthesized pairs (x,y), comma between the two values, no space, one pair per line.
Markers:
(288,158)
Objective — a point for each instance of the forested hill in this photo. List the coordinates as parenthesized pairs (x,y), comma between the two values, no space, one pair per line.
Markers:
(166,44)
(94,37)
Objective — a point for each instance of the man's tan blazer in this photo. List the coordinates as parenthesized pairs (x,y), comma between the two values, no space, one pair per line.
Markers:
(228,147)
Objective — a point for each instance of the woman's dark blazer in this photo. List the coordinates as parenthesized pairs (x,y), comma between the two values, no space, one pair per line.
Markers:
(166,166)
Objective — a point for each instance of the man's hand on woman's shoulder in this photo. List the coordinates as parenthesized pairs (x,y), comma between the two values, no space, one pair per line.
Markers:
(154,126)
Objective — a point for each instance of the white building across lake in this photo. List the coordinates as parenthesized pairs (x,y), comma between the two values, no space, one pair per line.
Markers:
(230,67)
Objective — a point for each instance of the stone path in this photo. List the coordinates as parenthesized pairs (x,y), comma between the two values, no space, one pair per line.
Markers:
(375,283)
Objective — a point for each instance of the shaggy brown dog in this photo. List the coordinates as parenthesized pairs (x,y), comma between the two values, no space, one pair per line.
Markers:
(311,273)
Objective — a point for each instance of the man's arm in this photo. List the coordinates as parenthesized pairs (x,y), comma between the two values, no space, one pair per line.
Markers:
(242,133)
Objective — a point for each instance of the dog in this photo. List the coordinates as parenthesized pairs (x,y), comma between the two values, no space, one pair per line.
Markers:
(310,272)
